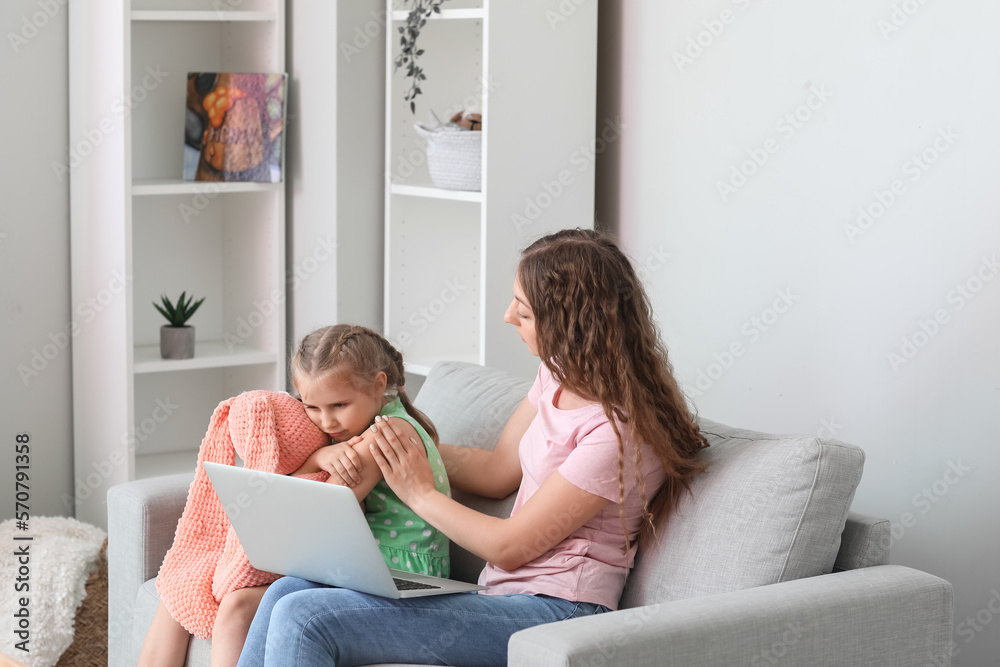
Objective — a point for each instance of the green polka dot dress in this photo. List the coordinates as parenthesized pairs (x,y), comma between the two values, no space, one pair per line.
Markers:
(408,542)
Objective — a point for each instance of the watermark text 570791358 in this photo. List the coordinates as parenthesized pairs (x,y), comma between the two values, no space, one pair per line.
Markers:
(22,543)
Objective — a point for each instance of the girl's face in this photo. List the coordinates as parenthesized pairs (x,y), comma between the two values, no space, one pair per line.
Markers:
(520,315)
(337,407)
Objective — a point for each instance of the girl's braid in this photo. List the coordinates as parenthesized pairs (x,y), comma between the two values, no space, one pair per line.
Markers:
(397,359)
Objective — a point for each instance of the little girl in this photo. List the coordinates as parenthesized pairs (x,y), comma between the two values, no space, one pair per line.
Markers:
(347,377)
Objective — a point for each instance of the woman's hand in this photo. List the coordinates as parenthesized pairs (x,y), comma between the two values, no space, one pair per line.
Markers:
(342,462)
(403,462)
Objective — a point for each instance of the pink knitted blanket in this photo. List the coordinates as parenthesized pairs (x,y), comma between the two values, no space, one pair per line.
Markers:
(271,432)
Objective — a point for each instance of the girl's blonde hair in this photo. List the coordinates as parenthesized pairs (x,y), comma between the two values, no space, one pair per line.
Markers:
(356,354)
(596,334)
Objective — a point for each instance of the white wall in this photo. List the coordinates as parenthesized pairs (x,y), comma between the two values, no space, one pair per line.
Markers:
(34,255)
(336,54)
(882,94)
(311,223)
(361,26)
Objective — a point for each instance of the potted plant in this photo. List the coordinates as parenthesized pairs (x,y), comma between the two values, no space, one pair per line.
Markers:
(409,52)
(177,338)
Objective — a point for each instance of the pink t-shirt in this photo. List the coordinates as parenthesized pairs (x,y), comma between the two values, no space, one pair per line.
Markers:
(589,565)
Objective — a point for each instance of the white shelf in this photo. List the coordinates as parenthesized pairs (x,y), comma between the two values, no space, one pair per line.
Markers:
(421,365)
(131,212)
(450,256)
(446,14)
(436,193)
(221,16)
(208,354)
(167,186)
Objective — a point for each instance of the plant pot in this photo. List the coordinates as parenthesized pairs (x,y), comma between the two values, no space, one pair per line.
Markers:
(176,342)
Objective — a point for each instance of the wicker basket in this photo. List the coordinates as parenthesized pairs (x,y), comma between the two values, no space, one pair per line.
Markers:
(454,156)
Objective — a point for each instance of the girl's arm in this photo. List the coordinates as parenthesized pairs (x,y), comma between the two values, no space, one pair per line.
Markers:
(494,474)
(553,512)
(366,473)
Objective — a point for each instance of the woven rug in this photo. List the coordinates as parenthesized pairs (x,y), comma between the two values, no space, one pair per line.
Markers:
(90,635)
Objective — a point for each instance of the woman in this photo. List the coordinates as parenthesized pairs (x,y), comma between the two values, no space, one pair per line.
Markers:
(607,446)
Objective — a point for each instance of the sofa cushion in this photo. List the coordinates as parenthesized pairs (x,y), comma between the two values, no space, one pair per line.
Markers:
(768,509)
(469,405)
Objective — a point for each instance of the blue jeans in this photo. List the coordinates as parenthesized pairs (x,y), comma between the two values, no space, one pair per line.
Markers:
(303,623)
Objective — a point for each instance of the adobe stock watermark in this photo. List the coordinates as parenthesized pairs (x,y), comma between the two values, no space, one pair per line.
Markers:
(87,311)
(759,496)
(635,620)
(120,108)
(775,653)
(973,625)
(31,26)
(102,470)
(698,44)
(829,428)
(752,330)
(423,316)
(900,15)
(786,127)
(551,190)
(549,536)
(364,35)
(912,170)
(407,165)
(264,309)
(655,260)
(200,201)
(563,12)
(259,482)
(223,6)
(927,498)
(926,330)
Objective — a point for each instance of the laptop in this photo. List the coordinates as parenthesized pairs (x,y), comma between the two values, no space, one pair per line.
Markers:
(306,529)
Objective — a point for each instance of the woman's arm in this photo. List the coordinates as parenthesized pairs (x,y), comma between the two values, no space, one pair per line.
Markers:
(494,474)
(553,512)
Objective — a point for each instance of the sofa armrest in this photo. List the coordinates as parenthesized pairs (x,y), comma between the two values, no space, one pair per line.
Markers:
(886,615)
(142,519)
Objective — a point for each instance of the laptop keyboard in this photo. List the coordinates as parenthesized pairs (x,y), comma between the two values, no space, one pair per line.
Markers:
(407,585)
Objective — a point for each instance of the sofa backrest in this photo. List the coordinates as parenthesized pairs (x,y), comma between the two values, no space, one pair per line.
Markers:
(469,405)
(769,508)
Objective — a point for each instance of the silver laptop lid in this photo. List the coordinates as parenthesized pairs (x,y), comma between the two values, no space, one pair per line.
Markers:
(302,528)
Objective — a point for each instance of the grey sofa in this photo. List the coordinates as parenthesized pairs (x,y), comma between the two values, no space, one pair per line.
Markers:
(763,564)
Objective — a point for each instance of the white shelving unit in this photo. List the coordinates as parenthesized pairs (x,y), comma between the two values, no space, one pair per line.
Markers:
(135,221)
(450,256)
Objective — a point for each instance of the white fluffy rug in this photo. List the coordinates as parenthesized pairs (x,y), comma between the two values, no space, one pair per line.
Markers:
(61,557)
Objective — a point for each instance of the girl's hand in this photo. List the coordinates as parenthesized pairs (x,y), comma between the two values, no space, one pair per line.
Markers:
(402,460)
(342,462)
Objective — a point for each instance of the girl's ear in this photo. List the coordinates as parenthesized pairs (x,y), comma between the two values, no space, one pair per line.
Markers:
(381,381)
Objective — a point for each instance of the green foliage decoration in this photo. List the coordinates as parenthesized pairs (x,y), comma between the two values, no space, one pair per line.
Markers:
(407,58)
(178,315)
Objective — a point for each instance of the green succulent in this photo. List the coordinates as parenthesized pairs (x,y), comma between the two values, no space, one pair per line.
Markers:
(180,314)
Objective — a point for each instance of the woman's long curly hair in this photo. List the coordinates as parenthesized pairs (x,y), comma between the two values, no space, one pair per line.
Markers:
(595,331)
(356,355)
